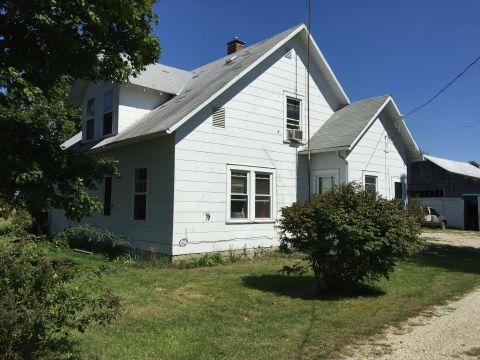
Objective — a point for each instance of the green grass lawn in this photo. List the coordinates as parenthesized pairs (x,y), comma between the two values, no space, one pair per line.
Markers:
(248,310)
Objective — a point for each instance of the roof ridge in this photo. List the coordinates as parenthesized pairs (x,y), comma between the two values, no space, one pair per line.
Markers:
(372,98)
(280,34)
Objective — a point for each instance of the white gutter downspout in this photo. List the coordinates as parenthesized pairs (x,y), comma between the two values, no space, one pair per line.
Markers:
(346,165)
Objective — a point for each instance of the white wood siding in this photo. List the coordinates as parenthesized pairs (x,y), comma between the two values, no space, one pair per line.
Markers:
(135,102)
(371,157)
(97,90)
(253,136)
(329,161)
(155,233)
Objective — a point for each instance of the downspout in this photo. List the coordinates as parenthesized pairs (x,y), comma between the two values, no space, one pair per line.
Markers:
(346,165)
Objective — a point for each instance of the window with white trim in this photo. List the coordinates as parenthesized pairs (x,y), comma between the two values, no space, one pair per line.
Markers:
(325,184)
(370,183)
(250,194)
(140,194)
(107,112)
(263,196)
(293,116)
(324,180)
(90,119)
(239,185)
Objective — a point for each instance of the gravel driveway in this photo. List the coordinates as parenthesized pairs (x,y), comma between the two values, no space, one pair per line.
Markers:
(451,331)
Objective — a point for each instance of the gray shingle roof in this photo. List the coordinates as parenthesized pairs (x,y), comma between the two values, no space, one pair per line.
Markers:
(343,126)
(163,78)
(205,82)
(455,167)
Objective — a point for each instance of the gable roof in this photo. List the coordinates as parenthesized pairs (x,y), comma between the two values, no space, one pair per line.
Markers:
(208,82)
(345,127)
(456,167)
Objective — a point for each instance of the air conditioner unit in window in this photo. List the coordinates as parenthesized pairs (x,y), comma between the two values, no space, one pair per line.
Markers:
(294,135)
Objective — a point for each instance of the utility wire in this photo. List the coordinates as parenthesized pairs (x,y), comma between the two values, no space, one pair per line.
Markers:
(445,87)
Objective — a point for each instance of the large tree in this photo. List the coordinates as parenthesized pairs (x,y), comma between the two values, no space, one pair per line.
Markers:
(44,46)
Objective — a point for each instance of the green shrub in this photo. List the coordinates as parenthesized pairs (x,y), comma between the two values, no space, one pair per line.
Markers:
(43,301)
(349,235)
(17,224)
(91,238)
(416,209)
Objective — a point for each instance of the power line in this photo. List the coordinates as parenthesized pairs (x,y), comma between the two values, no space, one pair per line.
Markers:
(445,87)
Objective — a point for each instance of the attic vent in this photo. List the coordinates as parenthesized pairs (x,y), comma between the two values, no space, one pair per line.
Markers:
(230,60)
(288,53)
(218,117)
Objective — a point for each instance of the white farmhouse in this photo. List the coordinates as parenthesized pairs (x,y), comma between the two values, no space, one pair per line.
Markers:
(209,157)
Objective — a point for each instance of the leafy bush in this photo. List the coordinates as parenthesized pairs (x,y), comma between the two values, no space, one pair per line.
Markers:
(349,235)
(416,209)
(43,301)
(17,224)
(91,238)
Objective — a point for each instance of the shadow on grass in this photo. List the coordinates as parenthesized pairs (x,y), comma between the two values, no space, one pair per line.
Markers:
(304,287)
(452,258)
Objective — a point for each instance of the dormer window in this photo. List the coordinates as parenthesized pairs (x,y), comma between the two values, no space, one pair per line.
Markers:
(107,112)
(90,120)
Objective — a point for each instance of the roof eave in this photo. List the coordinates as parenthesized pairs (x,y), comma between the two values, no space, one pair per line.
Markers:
(324,150)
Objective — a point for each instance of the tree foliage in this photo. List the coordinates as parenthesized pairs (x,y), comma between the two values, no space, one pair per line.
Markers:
(43,41)
(44,46)
(350,235)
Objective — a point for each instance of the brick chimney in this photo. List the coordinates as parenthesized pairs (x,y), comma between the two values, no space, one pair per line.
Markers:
(234,45)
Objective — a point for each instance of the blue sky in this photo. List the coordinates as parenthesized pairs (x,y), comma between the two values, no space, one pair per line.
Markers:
(408,48)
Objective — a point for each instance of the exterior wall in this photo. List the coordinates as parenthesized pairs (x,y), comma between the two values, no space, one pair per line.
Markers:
(427,176)
(96,90)
(135,102)
(380,153)
(253,136)
(327,163)
(155,232)
(452,208)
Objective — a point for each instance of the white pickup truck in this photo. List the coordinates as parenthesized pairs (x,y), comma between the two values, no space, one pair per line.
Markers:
(433,218)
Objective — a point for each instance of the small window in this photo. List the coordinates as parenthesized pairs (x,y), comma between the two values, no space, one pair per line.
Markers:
(263,196)
(371,183)
(140,194)
(293,114)
(239,195)
(325,183)
(218,117)
(107,112)
(107,197)
(398,190)
(90,119)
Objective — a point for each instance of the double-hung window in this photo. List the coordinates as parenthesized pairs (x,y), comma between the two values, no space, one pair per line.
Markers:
(293,113)
(250,195)
(239,187)
(90,119)
(326,183)
(107,112)
(263,196)
(140,194)
(371,183)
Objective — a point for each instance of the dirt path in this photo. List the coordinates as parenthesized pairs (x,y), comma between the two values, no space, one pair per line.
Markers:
(451,331)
